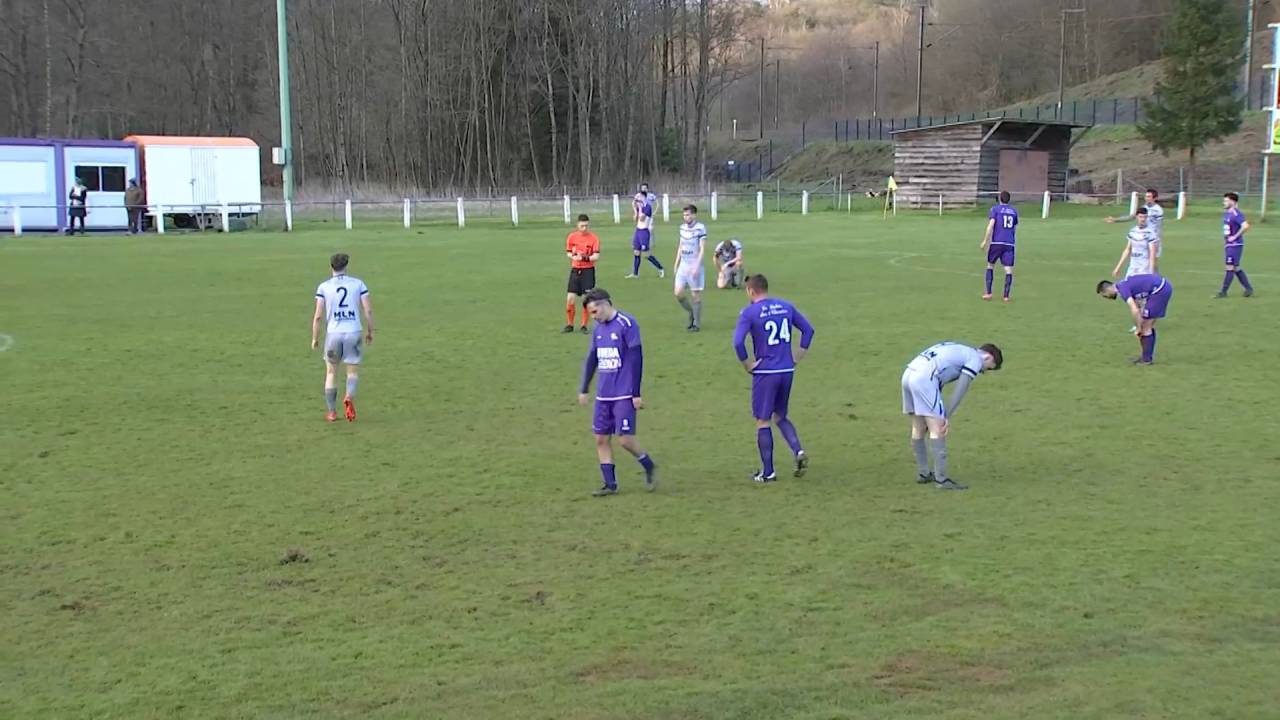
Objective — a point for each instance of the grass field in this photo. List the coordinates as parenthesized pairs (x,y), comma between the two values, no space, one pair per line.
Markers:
(163,447)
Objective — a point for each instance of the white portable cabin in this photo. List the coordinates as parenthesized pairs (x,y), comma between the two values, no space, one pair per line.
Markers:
(37,174)
(193,177)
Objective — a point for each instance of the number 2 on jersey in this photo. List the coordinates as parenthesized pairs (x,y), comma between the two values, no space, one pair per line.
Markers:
(778,332)
(342,301)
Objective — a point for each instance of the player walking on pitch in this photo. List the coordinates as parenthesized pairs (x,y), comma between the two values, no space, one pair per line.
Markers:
(336,298)
(1234,226)
(583,248)
(690,275)
(922,384)
(1156,292)
(616,355)
(642,205)
(771,323)
(1002,223)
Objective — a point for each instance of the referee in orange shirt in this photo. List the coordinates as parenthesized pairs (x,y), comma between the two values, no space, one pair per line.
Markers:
(583,248)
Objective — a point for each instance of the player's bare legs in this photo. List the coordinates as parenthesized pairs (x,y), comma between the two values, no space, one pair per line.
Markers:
(331,390)
(938,430)
(918,448)
(349,401)
(991,276)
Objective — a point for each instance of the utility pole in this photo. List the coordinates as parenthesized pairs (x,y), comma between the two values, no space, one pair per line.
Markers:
(875,84)
(760,98)
(1248,54)
(777,90)
(286,115)
(920,62)
(1062,58)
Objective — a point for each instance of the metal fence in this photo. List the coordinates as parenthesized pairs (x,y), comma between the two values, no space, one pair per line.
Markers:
(742,203)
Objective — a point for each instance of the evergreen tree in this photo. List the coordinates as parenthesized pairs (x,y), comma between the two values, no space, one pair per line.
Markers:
(1197,101)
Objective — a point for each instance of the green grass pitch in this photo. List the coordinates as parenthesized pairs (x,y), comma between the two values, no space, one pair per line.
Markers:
(163,446)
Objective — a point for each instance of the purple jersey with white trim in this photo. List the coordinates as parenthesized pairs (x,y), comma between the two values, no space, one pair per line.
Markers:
(1006,218)
(1232,220)
(770,323)
(610,342)
(1139,287)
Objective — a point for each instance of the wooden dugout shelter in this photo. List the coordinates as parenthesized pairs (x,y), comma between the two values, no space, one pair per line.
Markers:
(963,163)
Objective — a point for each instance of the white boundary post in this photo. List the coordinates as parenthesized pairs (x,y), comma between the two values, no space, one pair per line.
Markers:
(715,205)
(759,204)
(288,216)
(666,207)
(939,204)
(617,211)
(804,202)
(566,210)
(1133,202)
(346,212)
(222,212)
(515,211)
(159,219)
(1044,207)
(17,220)
(895,204)
(407,213)
(462,214)
(1182,204)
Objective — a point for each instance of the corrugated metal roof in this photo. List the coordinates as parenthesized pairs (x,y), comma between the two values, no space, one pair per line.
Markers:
(990,120)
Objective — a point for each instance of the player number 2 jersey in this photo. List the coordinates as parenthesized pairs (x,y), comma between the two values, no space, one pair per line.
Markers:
(946,360)
(341,295)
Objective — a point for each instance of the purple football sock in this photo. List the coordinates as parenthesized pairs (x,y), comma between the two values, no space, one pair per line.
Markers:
(1148,346)
(1008,284)
(655,262)
(1244,280)
(1226,281)
(764,438)
(991,276)
(635,265)
(607,472)
(789,434)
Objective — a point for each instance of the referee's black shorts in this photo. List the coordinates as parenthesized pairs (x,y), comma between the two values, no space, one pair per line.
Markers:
(581,280)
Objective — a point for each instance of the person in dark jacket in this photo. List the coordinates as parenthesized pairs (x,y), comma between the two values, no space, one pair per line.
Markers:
(78,207)
(135,201)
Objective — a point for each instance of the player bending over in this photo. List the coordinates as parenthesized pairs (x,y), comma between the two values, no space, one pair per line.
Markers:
(336,298)
(771,323)
(615,354)
(1156,292)
(922,384)
(728,257)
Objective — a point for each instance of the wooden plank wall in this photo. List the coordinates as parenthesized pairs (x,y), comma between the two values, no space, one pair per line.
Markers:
(1056,140)
(930,162)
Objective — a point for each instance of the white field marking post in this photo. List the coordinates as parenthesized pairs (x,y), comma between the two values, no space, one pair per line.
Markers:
(515,211)
(759,204)
(159,219)
(1133,202)
(226,220)
(617,210)
(462,214)
(407,213)
(1182,204)
(566,209)
(939,204)
(715,205)
(346,212)
(895,204)
(804,202)
(666,207)
(288,216)
(1044,207)
(17,220)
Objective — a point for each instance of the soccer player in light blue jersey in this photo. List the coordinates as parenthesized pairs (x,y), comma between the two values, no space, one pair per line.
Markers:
(690,275)
(1155,217)
(336,299)
(922,401)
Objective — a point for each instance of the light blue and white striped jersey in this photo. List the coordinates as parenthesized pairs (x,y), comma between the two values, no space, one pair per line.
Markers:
(341,295)
(690,236)
(946,360)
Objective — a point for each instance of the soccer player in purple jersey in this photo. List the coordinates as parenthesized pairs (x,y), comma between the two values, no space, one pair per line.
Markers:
(1234,227)
(642,209)
(1002,223)
(770,322)
(1157,292)
(614,354)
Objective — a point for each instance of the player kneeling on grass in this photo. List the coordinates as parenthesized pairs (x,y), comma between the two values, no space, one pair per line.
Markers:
(1157,292)
(616,355)
(728,257)
(922,383)
(336,298)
